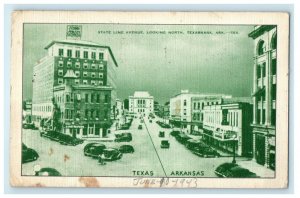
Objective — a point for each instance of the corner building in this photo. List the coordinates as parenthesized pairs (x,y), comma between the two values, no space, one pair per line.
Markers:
(74,88)
(264,94)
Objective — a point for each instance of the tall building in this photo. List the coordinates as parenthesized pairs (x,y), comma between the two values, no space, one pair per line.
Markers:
(141,103)
(264,93)
(74,88)
(227,126)
(186,107)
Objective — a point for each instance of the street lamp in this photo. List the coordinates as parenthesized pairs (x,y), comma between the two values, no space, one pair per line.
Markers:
(234,140)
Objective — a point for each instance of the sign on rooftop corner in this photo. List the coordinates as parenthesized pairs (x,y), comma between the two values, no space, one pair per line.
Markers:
(215,134)
(74,32)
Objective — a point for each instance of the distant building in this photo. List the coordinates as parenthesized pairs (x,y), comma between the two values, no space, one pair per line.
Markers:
(27,111)
(227,124)
(74,88)
(141,103)
(186,107)
(264,93)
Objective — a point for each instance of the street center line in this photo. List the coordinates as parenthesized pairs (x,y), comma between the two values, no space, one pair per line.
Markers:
(155,148)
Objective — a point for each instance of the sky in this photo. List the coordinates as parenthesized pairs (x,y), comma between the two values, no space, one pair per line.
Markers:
(160,61)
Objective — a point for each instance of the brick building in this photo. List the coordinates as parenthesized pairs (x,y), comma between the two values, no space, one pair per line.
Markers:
(74,85)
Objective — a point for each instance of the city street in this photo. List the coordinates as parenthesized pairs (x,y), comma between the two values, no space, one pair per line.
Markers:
(147,160)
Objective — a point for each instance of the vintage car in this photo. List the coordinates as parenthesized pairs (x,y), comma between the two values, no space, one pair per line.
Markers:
(165,144)
(28,154)
(94,150)
(126,149)
(111,154)
(233,170)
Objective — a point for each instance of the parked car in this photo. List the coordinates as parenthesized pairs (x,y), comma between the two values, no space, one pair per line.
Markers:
(163,125)
(88,145)
(192,143)
(123,137)
(125,126)
(164,144)
(126,149)
(175,133)
(140,127)
(47,172)
(205,151)
(28,154)
(68,140)
(161,134)
(29,126)
(94,150)
(233,170)
(111,154)
(182,138)
(150,121)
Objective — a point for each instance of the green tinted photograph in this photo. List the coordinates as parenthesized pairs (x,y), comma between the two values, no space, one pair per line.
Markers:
(148,100)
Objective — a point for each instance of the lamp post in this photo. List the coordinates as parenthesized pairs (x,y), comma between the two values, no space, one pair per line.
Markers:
(234,140)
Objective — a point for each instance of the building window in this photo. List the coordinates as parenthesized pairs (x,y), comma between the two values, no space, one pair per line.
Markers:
(274,41)
(77,54)
(60,63)
(258,116)
(60,81)
(67,98)
(93,74)
(93,82)
(184,103)
(93,55)
(85,66)
(77,64)
(85,82)
(101,66)
(77,73)
(86,113)
(263,116)
(258,71)
(106,98)
(77,81)
(93,66)
(273,117)
(85,54)
(261,47)
(101,56)
(69,64)
(86,97)
(60,72)
(100,82)
(273,91)
(195,105)
(92,98)
(69,53)
(85,74)
(264,70)
(100,75)
(98,98)
(60,52)
(274,65)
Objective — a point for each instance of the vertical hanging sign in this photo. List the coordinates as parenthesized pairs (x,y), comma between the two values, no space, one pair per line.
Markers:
(74,32)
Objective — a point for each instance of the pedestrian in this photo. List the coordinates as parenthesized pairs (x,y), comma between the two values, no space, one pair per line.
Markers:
(100,160)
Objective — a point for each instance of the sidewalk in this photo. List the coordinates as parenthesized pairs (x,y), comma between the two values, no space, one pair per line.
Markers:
(254,167)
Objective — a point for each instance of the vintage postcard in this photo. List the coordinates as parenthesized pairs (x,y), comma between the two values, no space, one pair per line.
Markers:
(149,99)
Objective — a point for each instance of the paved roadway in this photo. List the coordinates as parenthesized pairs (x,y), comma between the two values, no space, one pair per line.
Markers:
(147,160)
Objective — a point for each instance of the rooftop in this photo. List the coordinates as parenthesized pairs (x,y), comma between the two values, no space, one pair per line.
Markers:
(141,94)
(82,43)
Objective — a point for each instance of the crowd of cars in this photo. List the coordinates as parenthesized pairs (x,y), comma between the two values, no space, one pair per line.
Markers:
(101,151)
(62,138)
(198,147)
